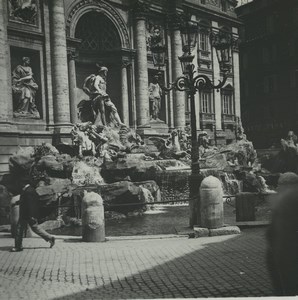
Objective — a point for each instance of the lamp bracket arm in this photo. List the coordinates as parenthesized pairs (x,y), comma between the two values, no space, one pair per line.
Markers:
(182,84)
(167,88)
(201,82)
(221,83)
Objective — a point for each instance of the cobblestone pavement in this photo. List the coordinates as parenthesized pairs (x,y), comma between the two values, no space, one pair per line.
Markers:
(225,266)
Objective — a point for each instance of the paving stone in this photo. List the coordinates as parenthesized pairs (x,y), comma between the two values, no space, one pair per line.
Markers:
(175,267)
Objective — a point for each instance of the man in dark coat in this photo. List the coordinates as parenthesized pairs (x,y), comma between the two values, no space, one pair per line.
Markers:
(29,212)
(282,254)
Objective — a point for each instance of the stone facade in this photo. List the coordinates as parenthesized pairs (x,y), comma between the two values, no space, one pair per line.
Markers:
(65,39)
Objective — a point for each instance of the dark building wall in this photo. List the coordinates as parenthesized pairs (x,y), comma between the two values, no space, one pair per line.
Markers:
(268,70)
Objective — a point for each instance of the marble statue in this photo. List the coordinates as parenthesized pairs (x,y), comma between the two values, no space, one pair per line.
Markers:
(170,147)
(24,90)
(101,132)
(95,86)
(240,135)
(155,94)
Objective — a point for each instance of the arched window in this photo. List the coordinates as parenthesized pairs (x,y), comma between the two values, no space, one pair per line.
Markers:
(97,33)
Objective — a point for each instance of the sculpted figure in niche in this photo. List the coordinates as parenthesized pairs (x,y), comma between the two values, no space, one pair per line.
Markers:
(154,36)
(24,90)
(155,94)
(95,87)
(23,10)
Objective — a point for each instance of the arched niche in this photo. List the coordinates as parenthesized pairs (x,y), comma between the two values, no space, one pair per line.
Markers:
(82,7)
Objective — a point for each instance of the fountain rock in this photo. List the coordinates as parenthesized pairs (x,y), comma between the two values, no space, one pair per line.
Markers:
(49,193)
(84,174)
(122,192)
(22,160)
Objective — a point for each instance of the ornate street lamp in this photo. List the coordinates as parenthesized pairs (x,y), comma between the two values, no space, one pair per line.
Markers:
(191,83)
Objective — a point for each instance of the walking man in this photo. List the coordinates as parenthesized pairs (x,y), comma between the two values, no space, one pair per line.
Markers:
(29,203)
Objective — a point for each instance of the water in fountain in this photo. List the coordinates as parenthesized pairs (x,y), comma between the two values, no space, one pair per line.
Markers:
(174,184)
(231,185)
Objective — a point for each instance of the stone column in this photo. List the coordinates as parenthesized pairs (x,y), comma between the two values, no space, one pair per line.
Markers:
(216,77)
(72,86)
(179,97)
(142,97)
(5,84)
(170,95)
(236,75)
(59,64)
(124,93)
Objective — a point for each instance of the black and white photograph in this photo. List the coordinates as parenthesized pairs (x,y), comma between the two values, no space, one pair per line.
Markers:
(148,149)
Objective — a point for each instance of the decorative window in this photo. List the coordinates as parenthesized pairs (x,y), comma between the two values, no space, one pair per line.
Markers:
(204,41)
(206,104)
(227,104)
(204,53)
(97,33)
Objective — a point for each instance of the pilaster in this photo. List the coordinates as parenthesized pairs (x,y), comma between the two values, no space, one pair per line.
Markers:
(72,85)
(217,95)
(124,93)
(236,72)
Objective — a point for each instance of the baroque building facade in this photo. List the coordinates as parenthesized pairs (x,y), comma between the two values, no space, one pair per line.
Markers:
(48,48)
(268,69)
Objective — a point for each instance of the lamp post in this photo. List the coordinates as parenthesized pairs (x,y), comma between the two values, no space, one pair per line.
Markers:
(191,83)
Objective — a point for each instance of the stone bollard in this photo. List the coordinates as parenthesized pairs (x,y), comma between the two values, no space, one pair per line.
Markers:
(211,195)
(93,221)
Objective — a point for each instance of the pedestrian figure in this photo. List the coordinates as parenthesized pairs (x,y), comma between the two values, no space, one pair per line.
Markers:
(282,254)
(29,212)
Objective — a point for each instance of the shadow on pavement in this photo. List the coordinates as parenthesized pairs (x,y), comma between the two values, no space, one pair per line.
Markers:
(232,266)
(32,248)
(73,240)
(6,248)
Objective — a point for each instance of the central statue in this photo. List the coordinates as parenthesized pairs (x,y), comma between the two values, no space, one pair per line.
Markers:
(95,87)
